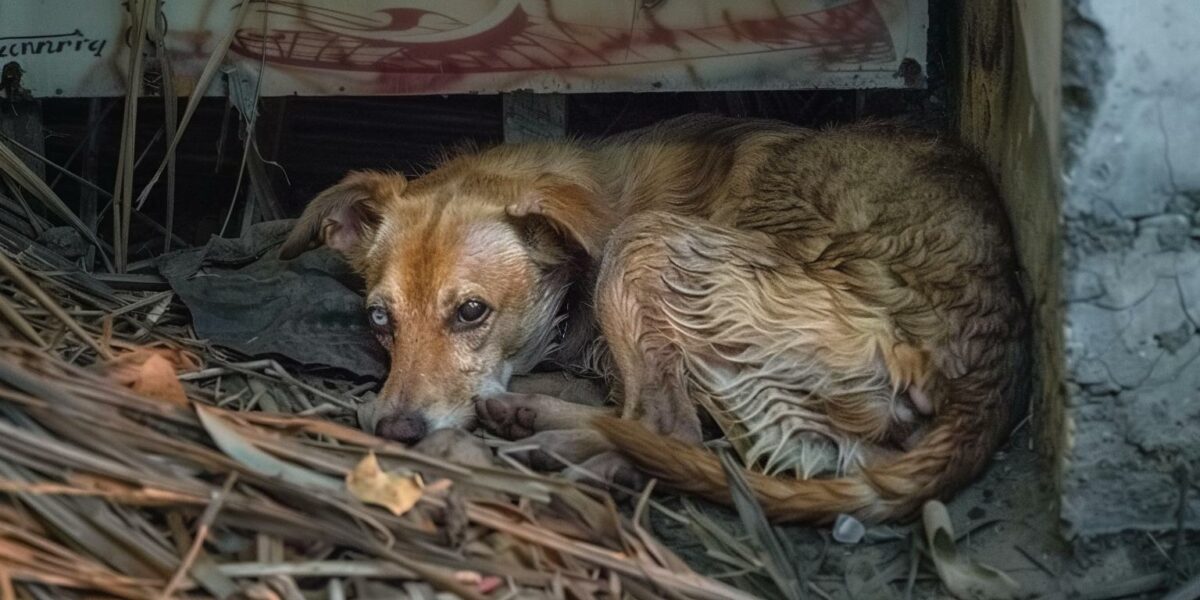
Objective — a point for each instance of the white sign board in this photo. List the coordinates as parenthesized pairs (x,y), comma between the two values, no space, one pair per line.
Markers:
(391,47)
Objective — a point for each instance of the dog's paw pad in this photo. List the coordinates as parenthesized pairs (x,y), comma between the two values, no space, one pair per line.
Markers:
(523,423)
(506,418)
(492,410)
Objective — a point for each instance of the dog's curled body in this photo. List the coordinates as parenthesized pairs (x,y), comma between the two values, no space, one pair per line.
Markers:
(843,303)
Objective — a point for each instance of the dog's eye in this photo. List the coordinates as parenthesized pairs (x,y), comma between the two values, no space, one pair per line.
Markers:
(471,312)
(379,316)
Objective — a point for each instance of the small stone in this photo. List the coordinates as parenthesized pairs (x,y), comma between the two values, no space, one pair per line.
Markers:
(1174,339)
(1083,286)
(1172,230)
(848,530)
(976,513)
(1104,388)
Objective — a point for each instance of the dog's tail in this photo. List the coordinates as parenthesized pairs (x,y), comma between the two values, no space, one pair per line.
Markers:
(953,450)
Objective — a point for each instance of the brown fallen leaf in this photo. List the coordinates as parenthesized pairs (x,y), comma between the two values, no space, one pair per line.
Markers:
(152,372)
(397,493)
(964,578)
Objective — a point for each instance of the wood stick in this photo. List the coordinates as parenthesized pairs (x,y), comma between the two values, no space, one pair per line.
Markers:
(19,276)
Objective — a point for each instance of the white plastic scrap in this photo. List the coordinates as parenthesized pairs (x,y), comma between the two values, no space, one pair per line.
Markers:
(848,530)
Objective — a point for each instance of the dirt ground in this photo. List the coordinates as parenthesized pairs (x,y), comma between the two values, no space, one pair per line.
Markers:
(1005,520)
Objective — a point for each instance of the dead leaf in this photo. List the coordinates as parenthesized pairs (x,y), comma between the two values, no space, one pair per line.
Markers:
(152,372)
(964,578)
(397,493)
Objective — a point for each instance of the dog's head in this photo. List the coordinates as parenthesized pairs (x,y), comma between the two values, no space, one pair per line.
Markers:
(466,273)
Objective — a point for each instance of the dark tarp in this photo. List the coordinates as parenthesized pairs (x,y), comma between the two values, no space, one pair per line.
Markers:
(243,297)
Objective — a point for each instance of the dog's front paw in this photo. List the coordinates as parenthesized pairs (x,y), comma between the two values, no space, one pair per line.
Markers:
(506,415)
(514,415)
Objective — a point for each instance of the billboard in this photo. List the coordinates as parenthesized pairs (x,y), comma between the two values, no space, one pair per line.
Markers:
(78,48)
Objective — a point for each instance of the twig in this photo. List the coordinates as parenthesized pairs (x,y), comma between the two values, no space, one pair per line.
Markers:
(975,528)
(87,197)
(818,591)
(332,568)
(14,317)
(6,585)
(321,410)
(1189,590)
(1139,585)
(644,499)
(57,167)
(30,216)
(140,13)
(206,77)
(170,115)
(206,521)
(14,167)
(1183,476)
(1033,559)
(914,562)
(270,367)
(95,119)
(683,582)
(18,275)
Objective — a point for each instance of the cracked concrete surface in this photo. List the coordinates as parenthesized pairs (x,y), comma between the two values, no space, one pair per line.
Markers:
(1131,204)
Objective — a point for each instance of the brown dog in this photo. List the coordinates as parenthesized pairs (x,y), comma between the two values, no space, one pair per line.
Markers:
(843,304)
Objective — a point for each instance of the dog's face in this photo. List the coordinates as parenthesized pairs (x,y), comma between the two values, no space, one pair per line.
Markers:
(465,282)
(452,290)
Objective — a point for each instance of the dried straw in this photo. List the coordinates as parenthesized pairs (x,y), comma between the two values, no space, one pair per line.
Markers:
(110,492)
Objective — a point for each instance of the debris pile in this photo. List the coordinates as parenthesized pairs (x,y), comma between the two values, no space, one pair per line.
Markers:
(137,461)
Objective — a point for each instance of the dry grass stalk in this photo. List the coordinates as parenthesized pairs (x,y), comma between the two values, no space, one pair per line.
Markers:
(206,76)
(95,475)
(141,13)
(25,178)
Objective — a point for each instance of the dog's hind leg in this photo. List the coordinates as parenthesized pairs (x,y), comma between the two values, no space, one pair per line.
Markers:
(697,314)
(646,352)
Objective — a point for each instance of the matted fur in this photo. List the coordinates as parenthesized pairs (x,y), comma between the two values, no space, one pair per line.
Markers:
(842,303)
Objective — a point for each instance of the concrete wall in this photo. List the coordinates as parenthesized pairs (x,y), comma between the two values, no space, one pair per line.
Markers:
(1131,202)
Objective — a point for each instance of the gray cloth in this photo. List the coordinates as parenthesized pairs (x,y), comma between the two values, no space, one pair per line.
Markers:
(243,297)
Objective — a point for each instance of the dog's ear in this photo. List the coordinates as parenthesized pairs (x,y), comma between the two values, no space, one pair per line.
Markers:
(344,216)
(570,209)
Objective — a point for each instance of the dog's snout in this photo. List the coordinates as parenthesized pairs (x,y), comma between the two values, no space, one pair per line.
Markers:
(405,427)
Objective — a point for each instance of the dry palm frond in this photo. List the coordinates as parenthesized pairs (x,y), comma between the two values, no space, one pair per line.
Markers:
(104,490)
(141,12)
(24,177)
(210,71)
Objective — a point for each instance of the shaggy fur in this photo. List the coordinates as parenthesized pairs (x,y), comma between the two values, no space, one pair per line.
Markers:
(842,304)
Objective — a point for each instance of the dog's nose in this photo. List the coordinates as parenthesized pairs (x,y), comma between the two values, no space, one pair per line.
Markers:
(404,427)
